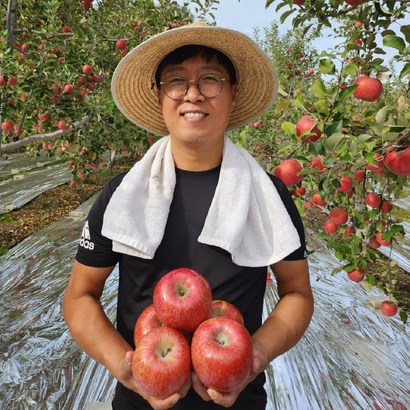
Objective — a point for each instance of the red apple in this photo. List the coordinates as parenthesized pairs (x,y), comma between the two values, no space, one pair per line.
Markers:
(388,308)
(300,191)
(226,309)
(7,126)
(99,78)
(349,231)
(338,215)
(346,183)
(373,243)
(383,242)
(43,116)
(373,200)
(354,2)
(369,89)
(398,162)
(288,170)
(330,227)
(63,125)
(307,124)
(298,2)
(359,175)
(386,206)
(317,163)
(317,199)
(161,364)
(121,44)
(68,88)
(222,354)
(146,321)
(12,80)
(87,69)
(2,80)
(356,275)
(182,299)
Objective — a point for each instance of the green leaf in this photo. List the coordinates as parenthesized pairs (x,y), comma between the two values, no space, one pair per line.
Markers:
(268,3)
(285,15)
(404,71)
(288,127)
(319,89)
(346,93)
(381,115)
(406,31)
(333,142)
(350,69)
(335,127)
(326,66)
(394,42)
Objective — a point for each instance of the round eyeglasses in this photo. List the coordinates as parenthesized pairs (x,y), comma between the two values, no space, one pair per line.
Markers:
(209,85)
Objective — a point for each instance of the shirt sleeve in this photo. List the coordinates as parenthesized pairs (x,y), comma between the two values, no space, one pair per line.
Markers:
(94,249)
(287,200)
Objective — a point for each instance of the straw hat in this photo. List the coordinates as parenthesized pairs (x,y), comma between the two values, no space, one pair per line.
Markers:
(135,74)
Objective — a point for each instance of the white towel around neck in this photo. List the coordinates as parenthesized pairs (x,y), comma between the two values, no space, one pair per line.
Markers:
(247,217)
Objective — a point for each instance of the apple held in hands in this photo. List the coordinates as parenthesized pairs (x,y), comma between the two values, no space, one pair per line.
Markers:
(182,299)
(222,354)
(226,309)
(161,364)
(147,321)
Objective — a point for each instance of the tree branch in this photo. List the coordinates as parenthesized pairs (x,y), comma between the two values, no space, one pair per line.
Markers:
(13,146)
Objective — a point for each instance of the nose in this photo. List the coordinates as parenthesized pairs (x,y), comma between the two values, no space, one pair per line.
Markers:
(193,93)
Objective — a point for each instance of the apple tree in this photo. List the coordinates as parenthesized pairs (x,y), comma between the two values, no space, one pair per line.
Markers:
(56,62)
(339,133)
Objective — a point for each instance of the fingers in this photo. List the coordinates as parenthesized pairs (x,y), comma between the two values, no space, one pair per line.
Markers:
(223,399)
(200,388)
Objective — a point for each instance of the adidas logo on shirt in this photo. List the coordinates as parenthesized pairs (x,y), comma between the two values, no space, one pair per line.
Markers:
(85,241)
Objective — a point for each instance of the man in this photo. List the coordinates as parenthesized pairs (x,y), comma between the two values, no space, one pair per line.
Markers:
(195,200)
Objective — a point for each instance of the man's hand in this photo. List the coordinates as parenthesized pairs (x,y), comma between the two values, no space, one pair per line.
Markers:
(228,399)
(126,378)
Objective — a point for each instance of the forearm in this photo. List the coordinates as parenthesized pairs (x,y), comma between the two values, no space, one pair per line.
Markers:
(94,332)
(285,325)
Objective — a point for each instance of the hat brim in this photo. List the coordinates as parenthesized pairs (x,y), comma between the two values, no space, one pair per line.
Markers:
(132,82)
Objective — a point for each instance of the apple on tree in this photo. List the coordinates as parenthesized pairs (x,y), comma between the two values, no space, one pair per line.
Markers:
(369,89)
(373,200)
(356,275)
(222,354)
(317,199)
(307,130)
(338,215)
(388,308)
(330,227)
(161,364)
(182,299)
(346,183)
(398,162)
(288,171)
(121,44)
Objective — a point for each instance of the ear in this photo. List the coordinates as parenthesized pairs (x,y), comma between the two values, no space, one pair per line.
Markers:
(234,91)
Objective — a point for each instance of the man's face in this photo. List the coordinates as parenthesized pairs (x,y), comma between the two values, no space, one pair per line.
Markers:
(195,118)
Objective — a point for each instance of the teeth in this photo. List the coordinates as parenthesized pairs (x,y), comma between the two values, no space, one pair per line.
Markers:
(193,114)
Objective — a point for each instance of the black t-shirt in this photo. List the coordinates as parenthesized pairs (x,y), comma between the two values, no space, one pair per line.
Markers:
(242,286)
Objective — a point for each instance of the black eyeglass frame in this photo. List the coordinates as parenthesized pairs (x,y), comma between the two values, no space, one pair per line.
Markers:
(197,83)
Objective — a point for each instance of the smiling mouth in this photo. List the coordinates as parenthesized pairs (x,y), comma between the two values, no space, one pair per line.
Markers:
(193,114)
